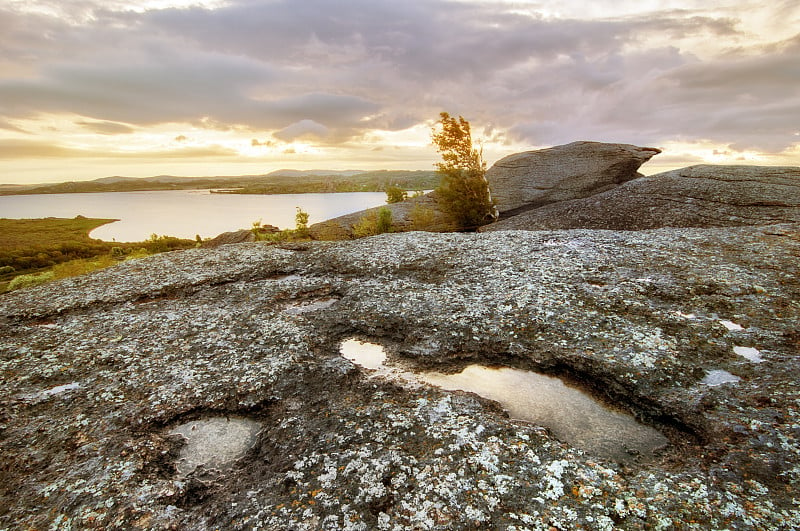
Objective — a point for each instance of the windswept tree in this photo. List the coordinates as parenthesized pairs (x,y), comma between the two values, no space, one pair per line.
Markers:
(463,189)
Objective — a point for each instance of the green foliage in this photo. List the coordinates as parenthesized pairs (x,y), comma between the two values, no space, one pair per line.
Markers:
(274,183)
(421,218)
(63,270)
(28,245)
(395,194)
(40,250)
(27,281)
(384,220)
(463,190)
(373,222)
(162,244)
(301,224)
(300,231)
(141,252)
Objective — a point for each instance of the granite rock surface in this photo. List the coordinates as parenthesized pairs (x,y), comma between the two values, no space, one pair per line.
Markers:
(424,209)
(697,196)
(530,179)
(99,370)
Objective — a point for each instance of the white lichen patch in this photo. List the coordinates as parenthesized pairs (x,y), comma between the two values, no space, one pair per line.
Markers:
(719,377)
(730,325)
(215,442)
(749,353)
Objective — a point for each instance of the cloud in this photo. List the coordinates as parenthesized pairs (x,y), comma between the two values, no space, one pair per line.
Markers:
(31,149)
(335,71)
(302,129)
(106,128)
(34,149)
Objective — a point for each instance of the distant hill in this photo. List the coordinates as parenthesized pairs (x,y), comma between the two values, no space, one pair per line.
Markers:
(315,173)
(276,182)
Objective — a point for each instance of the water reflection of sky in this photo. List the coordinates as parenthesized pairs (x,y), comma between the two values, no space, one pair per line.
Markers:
(572,415)
(184,213)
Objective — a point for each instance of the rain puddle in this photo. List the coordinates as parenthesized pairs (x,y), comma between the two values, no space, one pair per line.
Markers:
(215,442)
(571,415)
(363,354)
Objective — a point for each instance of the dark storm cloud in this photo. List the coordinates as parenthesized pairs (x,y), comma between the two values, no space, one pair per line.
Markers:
(335,70)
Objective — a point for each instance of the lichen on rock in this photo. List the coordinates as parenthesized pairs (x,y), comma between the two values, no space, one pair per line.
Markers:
(98,369)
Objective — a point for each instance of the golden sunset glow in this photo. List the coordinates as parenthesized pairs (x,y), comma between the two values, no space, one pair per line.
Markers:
(228,87)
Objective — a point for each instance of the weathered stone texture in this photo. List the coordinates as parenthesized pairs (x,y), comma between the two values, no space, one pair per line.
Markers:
(403,218)
(240,236)
(97,370)
(698,196)
(533,178)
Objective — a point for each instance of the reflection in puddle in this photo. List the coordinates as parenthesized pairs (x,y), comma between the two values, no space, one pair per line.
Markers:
(214,442)
(572,416)
(367,355)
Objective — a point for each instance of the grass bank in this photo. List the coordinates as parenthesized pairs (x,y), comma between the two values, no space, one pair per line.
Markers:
(37,250)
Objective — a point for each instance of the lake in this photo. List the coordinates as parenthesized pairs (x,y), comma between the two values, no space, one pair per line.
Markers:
(184,213)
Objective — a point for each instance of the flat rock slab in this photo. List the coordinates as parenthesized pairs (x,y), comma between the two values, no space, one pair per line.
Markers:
(98,369)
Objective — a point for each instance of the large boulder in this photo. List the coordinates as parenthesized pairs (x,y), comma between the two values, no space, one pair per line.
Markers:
(693,330)
(697,196)
(527,180)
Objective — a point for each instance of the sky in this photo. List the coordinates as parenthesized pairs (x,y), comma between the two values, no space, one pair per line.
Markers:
(95,88)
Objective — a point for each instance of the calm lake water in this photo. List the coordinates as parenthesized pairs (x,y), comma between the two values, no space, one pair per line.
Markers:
(184,213)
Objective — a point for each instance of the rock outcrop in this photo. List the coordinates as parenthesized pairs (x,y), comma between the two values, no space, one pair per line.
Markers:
(518,183)
(528,180)
(698,196)
(693,330)
(240,236)
(416,213)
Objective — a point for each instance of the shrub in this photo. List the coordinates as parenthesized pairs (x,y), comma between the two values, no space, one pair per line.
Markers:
(81,267)
(421,218)
(373,222)
(161,244)
(27,281)
(301,223)
(300,231)
(384,220)
(141,252)
(395,194)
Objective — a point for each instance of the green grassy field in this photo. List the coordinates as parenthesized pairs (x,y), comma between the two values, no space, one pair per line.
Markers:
(47,232)
(38,247)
